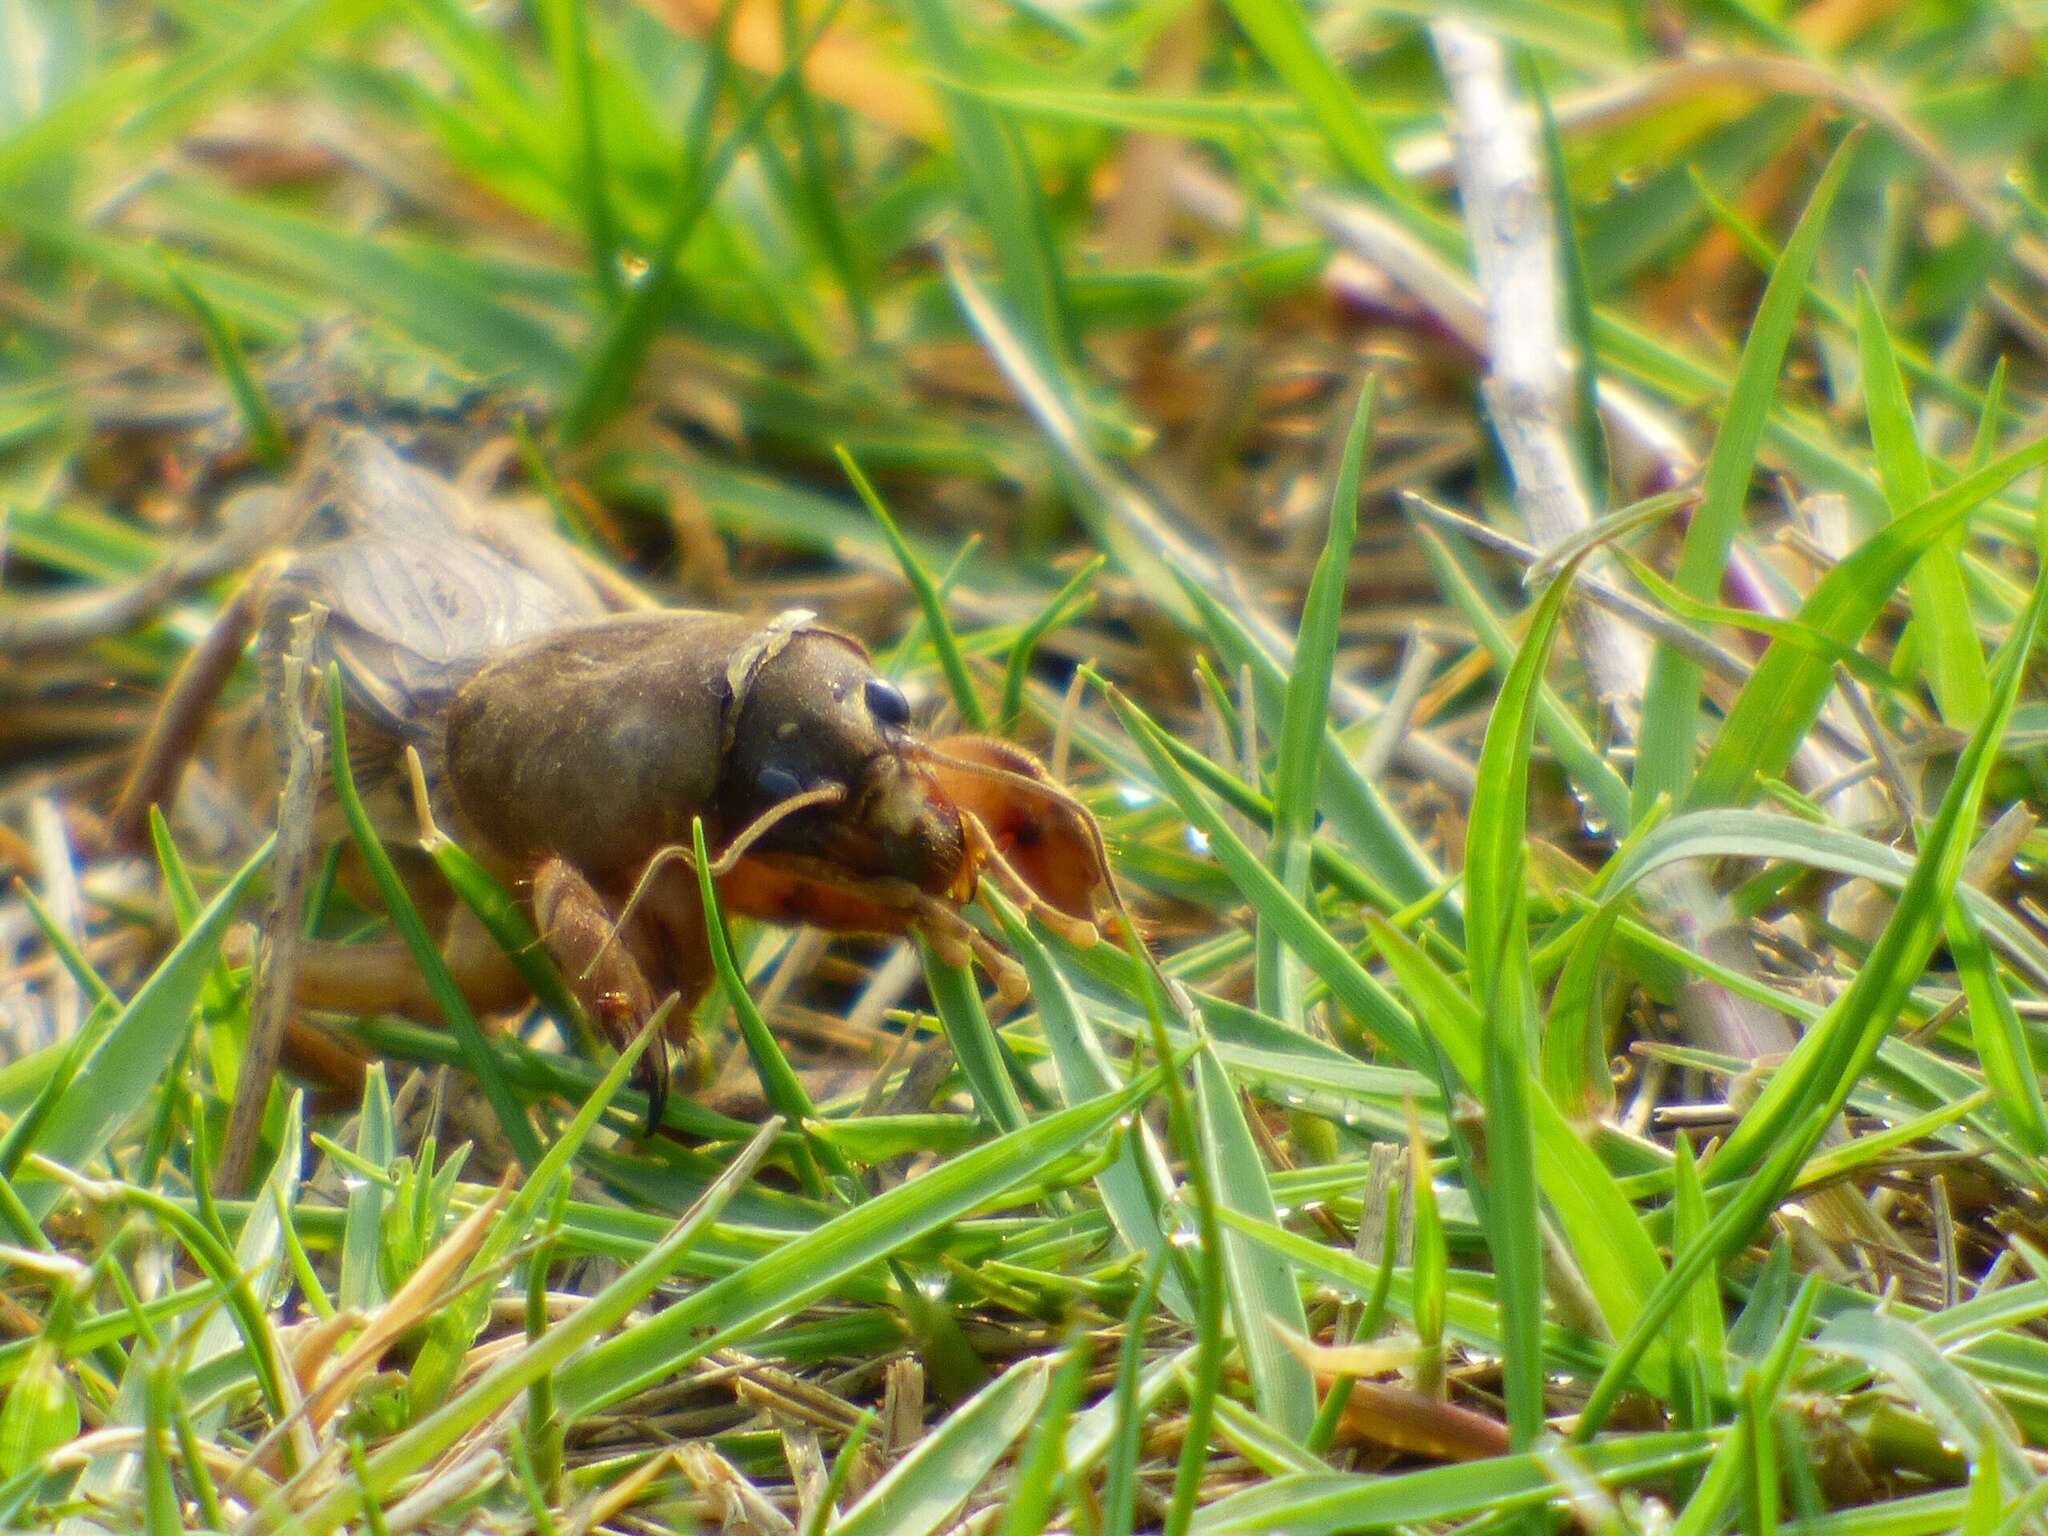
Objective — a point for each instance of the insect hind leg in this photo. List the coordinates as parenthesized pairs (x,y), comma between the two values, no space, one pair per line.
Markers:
(174,732)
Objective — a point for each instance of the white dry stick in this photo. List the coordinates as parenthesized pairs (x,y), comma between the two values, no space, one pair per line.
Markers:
(1508,214)
(271,1006)
(1528,388)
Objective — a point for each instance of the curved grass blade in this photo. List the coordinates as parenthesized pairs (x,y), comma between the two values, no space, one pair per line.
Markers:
(1067,603)
(418,1445)
(1777,706)
(1666,743)
(944,641)
(453,1328)
(1357,811)
(1280,31)
(406,919)
(1615,1254)
(258,419)
(1995,1029)
(1303,720)
(1941,603)
(780,1085)
(138,1047)
(1762,1158)
(1585,762)
(1331,1503)
(1938,1386)
(1260,1284)
(1496,924)
(809,1266)
(915,1496)
(1135,1185)
(1363,997)
(973,1038)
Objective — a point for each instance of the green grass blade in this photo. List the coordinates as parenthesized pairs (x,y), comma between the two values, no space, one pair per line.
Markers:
(1938,1386)
(1614,1251)
(362,1286)
(1496,923)
(1833,1054)
(1260,1285)
(916,1496)
(1332,1503)
(1002,185)
(1304,718)
(1134,1185)
(1941,603)
(128,1067)
(929,599)
(454,1327)
(606,379)
(1997,1033)
(1357,811)
(780,1085)
(1762,1157)
(1671,700)
(225,348)
(1581,757)
(1069,601)
(419,1444)
(973,1038)
(1359,993)
(1779,703)
(405,917)
(1280,30)
(807,1267)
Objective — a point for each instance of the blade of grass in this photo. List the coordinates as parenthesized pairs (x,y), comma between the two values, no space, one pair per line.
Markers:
(1779,703)
(1068,602)
(1260,1284)
(138,1047)
(1304,717)
(412,928)
(502,1383)
(1359,993)
(1762,1157)
(1996,1031)
(225,348)
(809,1266)
(780,1085)
(1941,604)
(944,641)
(1135,1184)
(1280,31)
(452,1331)
(606,379)
(915,1496)
(1666,743)
(1601,1228)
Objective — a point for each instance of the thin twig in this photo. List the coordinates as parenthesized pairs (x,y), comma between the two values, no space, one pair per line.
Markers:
(1652,621)
(1416,665)
(292,868)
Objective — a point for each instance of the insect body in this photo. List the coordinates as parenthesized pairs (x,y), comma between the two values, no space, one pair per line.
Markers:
(572,746)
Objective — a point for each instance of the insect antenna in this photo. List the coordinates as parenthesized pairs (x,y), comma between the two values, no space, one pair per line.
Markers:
(751,833)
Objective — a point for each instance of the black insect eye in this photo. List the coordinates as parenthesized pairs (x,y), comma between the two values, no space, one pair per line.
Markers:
(779,783)
(886,702)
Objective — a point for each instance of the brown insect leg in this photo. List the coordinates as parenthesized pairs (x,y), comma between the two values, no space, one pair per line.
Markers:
(179,719)
(602,968)
(384,977)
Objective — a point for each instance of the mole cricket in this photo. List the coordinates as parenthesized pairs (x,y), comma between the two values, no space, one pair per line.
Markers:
(568,740)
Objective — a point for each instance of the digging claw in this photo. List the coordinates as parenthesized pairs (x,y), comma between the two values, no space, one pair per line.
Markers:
(652,1074)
